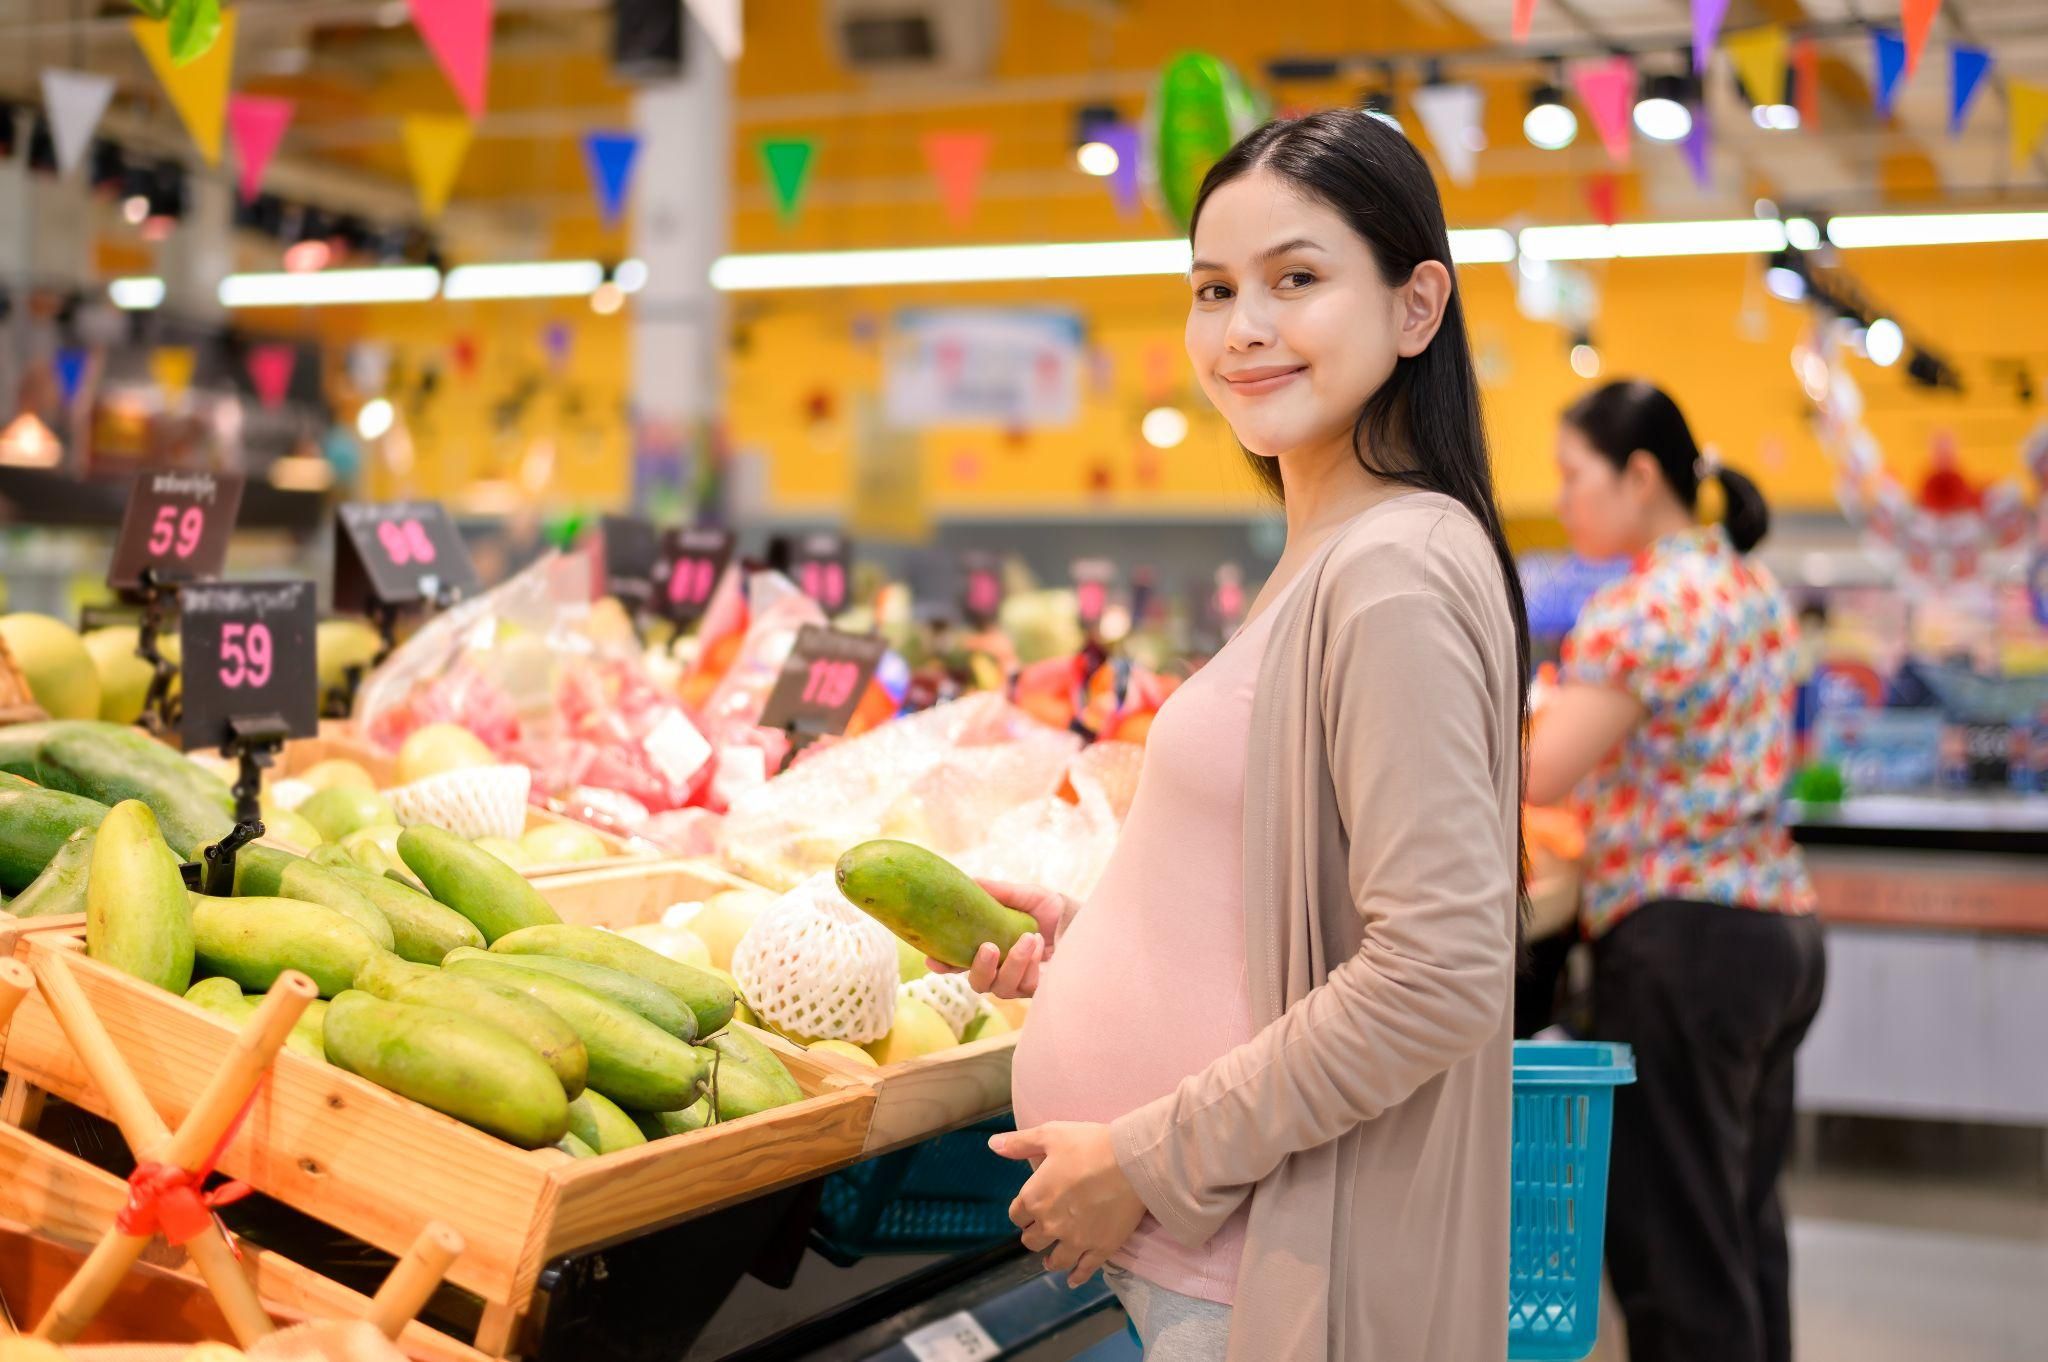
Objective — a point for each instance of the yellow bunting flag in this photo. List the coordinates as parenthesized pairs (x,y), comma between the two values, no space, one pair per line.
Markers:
(198,90)
(2027,109)
(434,147)
(170,368)
(1759,58)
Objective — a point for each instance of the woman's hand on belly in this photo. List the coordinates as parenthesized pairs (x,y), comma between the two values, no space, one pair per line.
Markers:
(1079,1204)
(1015,975)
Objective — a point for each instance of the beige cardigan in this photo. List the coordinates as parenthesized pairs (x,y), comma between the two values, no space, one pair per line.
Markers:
(1369,1118)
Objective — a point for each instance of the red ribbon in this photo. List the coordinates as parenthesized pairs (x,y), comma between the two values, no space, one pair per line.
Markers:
(167,1200)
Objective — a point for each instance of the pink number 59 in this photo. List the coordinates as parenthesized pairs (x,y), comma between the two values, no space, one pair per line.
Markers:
(244,655)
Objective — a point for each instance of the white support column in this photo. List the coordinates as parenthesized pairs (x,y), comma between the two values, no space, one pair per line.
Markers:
(680,224)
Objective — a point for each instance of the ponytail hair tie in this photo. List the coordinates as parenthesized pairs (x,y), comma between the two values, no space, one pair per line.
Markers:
(1707,465)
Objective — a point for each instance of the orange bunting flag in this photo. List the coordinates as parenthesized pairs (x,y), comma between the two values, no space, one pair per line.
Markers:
(1916,17)
(957,160)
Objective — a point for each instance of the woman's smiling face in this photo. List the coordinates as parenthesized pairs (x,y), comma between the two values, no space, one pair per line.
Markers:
(1291,327)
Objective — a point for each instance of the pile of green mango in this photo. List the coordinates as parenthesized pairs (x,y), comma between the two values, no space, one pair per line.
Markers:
(448,979)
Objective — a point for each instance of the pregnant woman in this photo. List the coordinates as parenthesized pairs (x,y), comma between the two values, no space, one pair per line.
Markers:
(1267,1079)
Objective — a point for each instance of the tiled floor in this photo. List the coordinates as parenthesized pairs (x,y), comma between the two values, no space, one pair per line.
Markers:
(1916,1245)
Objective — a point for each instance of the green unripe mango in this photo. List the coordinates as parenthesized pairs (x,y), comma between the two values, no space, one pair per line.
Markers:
(928,901)
(266,872)
(253,940)
(749,1078)
(659,1125)
(476,884)
(632,1061)
(629,991)
(709,997)
(35,826)
(544,1032)
(597,1121)
(137,918)
(223,998)
(383,974)
(60,889)
(574,1147)
(422,930)
(453,1063)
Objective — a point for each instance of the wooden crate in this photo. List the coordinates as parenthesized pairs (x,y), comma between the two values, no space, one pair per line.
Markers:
(379,1167)
(914,1100)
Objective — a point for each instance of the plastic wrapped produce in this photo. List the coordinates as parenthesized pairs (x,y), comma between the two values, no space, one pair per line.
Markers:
(1056,842)
(938,778)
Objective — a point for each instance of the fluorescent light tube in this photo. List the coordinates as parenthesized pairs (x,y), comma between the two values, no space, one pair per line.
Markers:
(525,279)
(411,284)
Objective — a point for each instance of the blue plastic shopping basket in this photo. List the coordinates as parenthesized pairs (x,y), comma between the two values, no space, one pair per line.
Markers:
(950,1194)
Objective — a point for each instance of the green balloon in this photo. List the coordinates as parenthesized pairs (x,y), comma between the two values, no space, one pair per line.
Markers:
(1200,110)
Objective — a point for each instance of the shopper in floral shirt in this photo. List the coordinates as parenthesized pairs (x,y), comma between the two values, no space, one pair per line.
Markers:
(1672,728)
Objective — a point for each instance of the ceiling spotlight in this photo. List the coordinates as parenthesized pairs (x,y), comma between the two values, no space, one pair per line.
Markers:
(1550,123)
(1785,283)
(631,275)
(1775,117)
(375,419)
(1585,359)
(1164,427)
(1884,342)
(135,209)
(1097,158)
(1661,114)
(607,298)
(1092,153)
(1802,234)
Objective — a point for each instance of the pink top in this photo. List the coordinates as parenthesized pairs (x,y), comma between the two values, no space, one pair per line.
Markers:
(1148,984)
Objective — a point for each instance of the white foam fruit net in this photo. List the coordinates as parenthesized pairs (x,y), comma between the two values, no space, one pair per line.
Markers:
(484,801)
(949,995)
(815,966)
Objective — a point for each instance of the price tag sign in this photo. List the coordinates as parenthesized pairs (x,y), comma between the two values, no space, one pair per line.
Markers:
(956,1338)
(178,525)
(823,680)
(1093,578)
(248,655)
(981,590)
(399,553)
(821,565)
(687,571)
(628,546)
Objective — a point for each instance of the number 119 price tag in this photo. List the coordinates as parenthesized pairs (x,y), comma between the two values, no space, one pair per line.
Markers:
(248,655)
(823,681)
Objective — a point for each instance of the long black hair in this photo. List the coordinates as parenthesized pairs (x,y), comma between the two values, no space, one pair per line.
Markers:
(1422,427)
(1620,418)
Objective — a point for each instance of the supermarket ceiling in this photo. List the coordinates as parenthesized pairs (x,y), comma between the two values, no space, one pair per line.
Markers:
(1022,69)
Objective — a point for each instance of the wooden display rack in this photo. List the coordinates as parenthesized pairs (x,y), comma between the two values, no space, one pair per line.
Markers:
(914,1100)
(380,1168)
(338,740)
(53,1204)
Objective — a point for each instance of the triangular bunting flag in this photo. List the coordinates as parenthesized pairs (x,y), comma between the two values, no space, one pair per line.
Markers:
(957,160)
(1699,148)
(70,365)
(1806,82)
(170,368)
(788,160)
(2027,108)
(1916,17)
(1706,27)
(556,339)
(1603,197)
(1525,14)
(1758,55)
(434,147)
(720,20)
(270,372)
(1608,90)
(199,91)
(610,156)
(1891,67)
(1967,67)
(257,124)
(1122,138)
(458,33)
(73,102)
(1452,113)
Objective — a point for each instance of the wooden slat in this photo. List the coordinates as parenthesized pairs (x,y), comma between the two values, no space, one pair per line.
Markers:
(919,1098)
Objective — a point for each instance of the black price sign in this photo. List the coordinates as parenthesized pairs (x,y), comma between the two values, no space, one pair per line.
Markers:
(687,571)
(248,656)
(823,681)
(821,565)
(178,526)
(981,590)
(399,553)
(1093,578)
(629,547)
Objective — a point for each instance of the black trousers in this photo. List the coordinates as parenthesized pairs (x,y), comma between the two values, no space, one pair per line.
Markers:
(1715,1001)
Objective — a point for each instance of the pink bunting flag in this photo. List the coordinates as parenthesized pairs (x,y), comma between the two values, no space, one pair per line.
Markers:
(270,370)
(957,160)
(1525,13)
(1608,90)
(458,33)
(1603,197)
(257,124)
